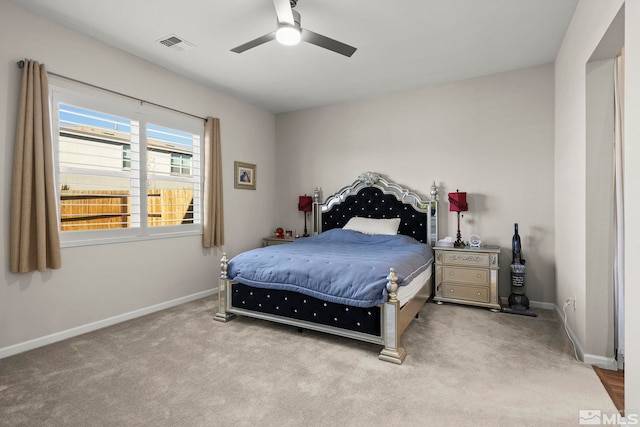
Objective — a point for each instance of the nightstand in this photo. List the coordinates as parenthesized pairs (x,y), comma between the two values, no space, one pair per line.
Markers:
(468,276)
(270,241)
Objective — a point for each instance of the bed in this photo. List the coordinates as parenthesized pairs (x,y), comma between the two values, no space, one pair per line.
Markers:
(314,282)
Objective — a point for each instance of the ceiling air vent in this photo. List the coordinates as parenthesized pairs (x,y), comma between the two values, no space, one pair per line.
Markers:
(174,42)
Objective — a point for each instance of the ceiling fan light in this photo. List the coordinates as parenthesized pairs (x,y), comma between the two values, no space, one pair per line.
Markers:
(288,35)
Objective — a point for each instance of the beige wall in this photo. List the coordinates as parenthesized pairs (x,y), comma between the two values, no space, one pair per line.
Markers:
(491,137)
(590,22)
(599,212)
(105,283)
(583,36)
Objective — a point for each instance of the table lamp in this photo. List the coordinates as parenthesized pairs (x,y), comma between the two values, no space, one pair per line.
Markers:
(304,205)
(458,203)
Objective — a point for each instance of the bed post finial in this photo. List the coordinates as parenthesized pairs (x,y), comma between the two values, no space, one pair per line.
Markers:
(224,265)
(392,285)
(223,287)
(392,352)
(317,214)
(434,192)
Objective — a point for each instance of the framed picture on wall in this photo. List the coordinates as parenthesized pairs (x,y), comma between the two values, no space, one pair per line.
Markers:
(245,176)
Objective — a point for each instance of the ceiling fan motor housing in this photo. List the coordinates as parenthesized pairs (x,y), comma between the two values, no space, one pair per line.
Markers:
(287,34)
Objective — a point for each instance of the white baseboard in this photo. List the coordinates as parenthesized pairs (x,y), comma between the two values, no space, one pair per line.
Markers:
(601,361)
(572,336)
(89,327)
(543,305)
(591,359)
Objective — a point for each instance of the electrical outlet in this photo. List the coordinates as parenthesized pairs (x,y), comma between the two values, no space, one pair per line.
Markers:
(571,301)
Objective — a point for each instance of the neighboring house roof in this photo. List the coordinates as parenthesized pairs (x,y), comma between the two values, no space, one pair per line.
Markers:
(99,134)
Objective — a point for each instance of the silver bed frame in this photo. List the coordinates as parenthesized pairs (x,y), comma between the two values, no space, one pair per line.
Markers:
(394,318)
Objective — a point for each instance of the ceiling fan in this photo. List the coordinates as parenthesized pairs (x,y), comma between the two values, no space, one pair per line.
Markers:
(290,33)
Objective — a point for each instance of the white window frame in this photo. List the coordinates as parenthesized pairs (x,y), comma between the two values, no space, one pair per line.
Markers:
(66,92)
(181,166)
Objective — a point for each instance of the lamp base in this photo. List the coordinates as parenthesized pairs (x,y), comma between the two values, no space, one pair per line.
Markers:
(306,234)
(459,243)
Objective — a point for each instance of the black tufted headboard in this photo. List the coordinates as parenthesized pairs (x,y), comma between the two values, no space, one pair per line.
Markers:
(374,197)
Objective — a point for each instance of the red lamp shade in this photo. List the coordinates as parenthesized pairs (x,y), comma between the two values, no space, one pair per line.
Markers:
(304,203)
(458,202)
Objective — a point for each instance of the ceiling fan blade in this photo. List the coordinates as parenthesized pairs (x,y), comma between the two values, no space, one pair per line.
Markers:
(327,43)
(284,11)
(255,42)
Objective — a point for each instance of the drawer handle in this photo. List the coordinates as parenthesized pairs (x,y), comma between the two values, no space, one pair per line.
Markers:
(478,293)
(451,273)
(478,275)
(451,290)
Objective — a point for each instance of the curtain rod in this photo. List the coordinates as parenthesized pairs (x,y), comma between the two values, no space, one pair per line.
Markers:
(21,64)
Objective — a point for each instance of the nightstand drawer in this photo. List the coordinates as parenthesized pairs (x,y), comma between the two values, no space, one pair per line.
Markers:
(465,292)
(465,258)
(465,275)
(270,241)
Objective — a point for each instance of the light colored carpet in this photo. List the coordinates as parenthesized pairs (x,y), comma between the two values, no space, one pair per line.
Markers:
(465,367)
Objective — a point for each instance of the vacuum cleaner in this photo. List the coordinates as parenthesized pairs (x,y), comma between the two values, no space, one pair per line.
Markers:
(518,300)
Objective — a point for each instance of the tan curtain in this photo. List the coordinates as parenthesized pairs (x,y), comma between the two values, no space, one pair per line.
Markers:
(34,235)
(213,209)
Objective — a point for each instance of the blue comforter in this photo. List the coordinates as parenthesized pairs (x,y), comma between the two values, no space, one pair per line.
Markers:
(341,266)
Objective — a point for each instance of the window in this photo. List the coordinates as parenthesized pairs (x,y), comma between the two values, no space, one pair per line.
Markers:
(125,171)
(180,164)
(126,156)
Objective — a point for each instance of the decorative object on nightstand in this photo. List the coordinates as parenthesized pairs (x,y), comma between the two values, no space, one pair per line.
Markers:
(474,241)
(458,203)
(468,276)
(304,205)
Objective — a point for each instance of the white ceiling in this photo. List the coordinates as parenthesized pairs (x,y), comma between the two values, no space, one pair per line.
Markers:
(401,44)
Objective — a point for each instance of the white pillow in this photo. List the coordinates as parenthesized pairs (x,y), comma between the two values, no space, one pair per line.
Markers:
(373,225)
